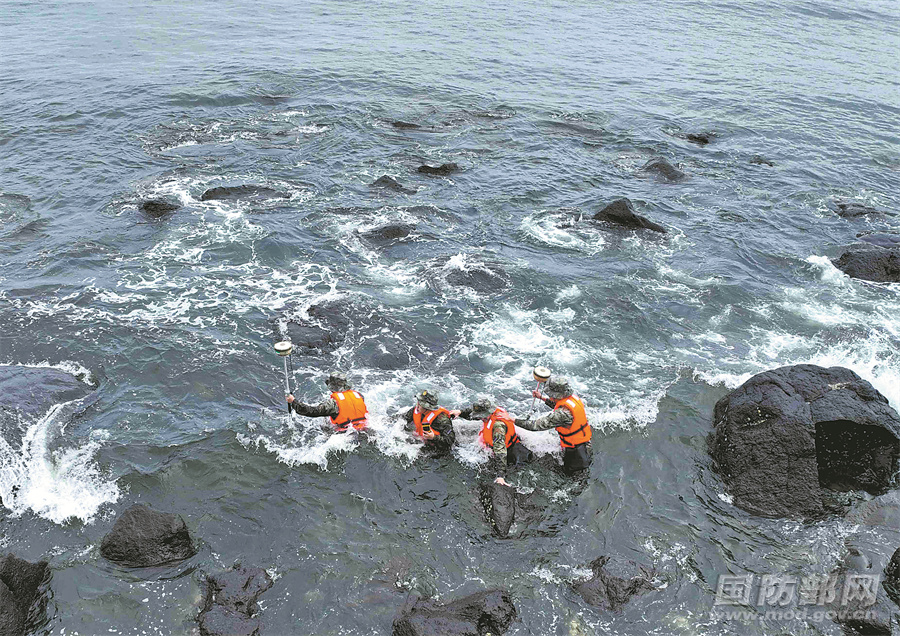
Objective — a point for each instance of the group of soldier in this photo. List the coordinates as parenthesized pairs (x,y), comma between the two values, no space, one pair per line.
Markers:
(432,424)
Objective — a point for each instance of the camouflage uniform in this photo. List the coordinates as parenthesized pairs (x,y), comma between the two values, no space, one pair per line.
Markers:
(501,457)
(327,407)
(442,425)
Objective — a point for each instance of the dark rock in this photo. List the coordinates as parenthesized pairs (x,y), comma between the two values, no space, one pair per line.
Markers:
(761,161)
(479,614)
(21,586)
(664,169)
(158,208)
(230,603)
(142,537)
(852,209)
(892,577)
(388,233)
(701,139)
(390,183)
(621,212)
(243,192)
(615,582)
(442,170)
(881,240)
(32,391)
(479,279)
(787,433)
(405,125)
(499,503)
(880,266)
(324,330)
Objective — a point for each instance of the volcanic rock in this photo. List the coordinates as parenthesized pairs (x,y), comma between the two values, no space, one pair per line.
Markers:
(880,265)
(142,537)
(390,183)
(442,170)
(615,582)
(20,588)
(242,192)
(663,169)
(479,614)
(158,208)
(621,212)
(499,503)
(787,433)
(230,604)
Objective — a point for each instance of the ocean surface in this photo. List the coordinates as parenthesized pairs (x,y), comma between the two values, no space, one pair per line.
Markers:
(551,110)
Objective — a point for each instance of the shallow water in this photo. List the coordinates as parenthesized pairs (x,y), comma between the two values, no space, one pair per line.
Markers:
(551,110)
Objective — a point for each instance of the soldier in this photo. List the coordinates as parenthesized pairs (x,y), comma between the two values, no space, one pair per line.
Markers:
(344,406)
(498,432)
(432,423)
(570,421)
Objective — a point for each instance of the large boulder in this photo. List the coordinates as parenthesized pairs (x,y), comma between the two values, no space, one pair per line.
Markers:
(21,583)
(142,537)
(787,433)
(230,603)
(499,504)
(879,265)
(490,612)
(663,169)
(243,192)
(621,212)
(441,171)
(615,581)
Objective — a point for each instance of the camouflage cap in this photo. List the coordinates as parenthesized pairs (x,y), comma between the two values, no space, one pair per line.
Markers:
(427,399)
(482,408)
(337,381)
(558,388)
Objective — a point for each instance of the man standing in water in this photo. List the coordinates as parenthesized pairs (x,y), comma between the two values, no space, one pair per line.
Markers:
(344,406)
(569,418)
(432,423)
(498,432)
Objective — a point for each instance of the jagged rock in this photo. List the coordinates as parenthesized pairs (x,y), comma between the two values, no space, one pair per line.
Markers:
(230,603)
(499,503)
(615,582)
(880,266)
(158,208)
(761,161)
(621,212)
(852,209)
(787,433)
(142,537)
(242,192)
(388,233)
(700,139)
(662,168)
(441,170)
(490,612)
(888,241)
(390,183)
(405,125)
(20,587)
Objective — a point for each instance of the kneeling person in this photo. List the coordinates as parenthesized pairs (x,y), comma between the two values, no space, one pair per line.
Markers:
(344,406)
(498,432)
(432,422)
(569,418)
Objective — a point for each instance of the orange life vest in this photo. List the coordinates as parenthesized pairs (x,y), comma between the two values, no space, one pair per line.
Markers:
(487,430)
(579,431)
(427,417)
(351,410)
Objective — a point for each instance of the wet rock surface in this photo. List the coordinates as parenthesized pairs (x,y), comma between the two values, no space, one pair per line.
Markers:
(701,138)
(405,125)
(621,212)
(243,192)
(442,170)
(787,433)
(390,183)
(158,208)
(881,240)
(31,391)
(663,170)
(876,265)
(230,605)
(852,209)
(758,160)
(143,537)
(499,503)
(615,582)
(479,614)
(389,233)
(21,584)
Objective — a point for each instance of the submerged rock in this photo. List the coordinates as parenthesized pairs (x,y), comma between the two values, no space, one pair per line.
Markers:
(20,588)
(787,433)
(230,604)
(621,212)
(701,139)
(881,240)
(880,266)
(852,209)
(142,537)
(405,125)
(324,330)
(761,161)
(479,614)
(242,192)
(389,233)
(441,170)
(662,168)
(615,582)
(31,391)
(158,208)
(390,183)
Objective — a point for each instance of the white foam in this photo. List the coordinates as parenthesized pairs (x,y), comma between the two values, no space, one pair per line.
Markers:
(560,230)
